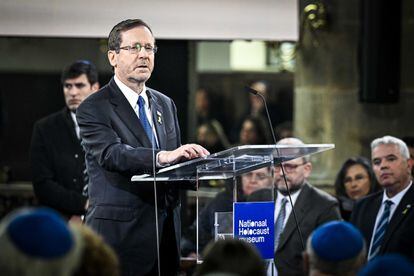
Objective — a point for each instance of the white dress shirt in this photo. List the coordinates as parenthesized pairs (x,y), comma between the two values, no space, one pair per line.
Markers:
(288,206)
(271,270)
(73,115)
(132,98)
(395,200)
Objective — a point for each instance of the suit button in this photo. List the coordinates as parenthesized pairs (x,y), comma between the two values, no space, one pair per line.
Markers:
(75,180)
(76,155)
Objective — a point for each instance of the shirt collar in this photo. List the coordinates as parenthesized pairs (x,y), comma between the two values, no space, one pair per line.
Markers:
(397,198)
(293,195)
(73,116)
(130,94)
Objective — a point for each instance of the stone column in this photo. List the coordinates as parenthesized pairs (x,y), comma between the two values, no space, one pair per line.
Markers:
(326,101)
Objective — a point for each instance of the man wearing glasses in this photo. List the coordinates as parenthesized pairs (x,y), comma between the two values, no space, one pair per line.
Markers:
(128,129)
(313,207)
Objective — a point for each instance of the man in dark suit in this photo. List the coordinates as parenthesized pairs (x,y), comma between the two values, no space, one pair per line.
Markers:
(128,129)
(386,218)
(313,207)
(57,158)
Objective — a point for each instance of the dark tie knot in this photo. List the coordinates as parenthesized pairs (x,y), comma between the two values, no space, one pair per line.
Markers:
(388,203)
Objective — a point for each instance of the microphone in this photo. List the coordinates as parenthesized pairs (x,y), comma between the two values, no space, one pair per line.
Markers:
(255,92)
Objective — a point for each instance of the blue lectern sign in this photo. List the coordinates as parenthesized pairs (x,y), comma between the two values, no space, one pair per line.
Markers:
(254,223)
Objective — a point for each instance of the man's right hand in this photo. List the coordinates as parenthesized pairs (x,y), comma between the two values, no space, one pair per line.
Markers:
(185,152)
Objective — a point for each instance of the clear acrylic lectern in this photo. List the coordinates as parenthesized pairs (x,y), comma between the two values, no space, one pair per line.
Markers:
(229,165)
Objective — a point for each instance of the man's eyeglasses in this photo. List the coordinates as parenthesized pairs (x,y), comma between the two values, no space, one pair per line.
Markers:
(136,48)
(289,168)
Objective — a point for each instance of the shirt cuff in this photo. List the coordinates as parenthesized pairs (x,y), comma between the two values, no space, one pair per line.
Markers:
(158,164)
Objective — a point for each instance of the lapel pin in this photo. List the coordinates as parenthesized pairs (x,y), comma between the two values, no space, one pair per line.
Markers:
(159,117)
(406,209)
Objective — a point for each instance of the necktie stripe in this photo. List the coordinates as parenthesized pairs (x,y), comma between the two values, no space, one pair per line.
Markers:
(380,230)
(279,222)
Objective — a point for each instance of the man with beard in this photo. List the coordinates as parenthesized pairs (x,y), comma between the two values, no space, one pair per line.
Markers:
(313,207)
(57,158)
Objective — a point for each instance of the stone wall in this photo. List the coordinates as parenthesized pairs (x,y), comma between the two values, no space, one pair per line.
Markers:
(327,107)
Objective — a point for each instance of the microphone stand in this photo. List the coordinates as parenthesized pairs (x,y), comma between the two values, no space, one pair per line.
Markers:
(255,92)
(157,227)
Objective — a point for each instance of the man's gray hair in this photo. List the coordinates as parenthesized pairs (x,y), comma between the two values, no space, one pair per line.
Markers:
(391,140)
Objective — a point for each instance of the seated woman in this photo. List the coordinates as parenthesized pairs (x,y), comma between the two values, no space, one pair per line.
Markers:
(211,136)
(253,132)
(354,180)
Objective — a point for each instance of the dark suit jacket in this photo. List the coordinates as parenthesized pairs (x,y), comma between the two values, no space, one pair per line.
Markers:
(399,236)
(117,148)
(57,161)
(313,207)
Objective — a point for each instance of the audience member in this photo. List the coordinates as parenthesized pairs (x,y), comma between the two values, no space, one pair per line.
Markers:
(388,265)
(313,207)
(256,104)
(211,136)
(386,218)
(38,242)
(57,158)
(409,141)
(98,259)
(354,180)
(284,130)
(334,248)
(203,104)
(256,109)
(231,257)
(223,202)
(253,132)
(209,110)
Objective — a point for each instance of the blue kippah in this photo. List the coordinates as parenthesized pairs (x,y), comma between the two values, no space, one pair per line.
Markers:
(41,233)
(337,240)
(388,265)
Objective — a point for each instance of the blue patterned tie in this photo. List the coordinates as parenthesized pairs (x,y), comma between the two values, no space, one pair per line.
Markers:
(144,121)
(279,222)
(380,231)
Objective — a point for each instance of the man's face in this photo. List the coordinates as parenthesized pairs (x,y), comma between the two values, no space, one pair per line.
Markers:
(296,171)
(391,168)
(255,180)
(76,90)
(133,68)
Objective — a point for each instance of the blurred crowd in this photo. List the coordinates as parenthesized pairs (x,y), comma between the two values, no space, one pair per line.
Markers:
(366,227)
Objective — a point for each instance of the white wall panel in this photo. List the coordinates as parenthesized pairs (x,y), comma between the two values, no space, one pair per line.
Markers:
(180,19)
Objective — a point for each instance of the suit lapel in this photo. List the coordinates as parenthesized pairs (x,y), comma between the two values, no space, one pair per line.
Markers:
(157,118)
(368,224)
(70,125)
(401,213)
(300,209)
(127,114)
